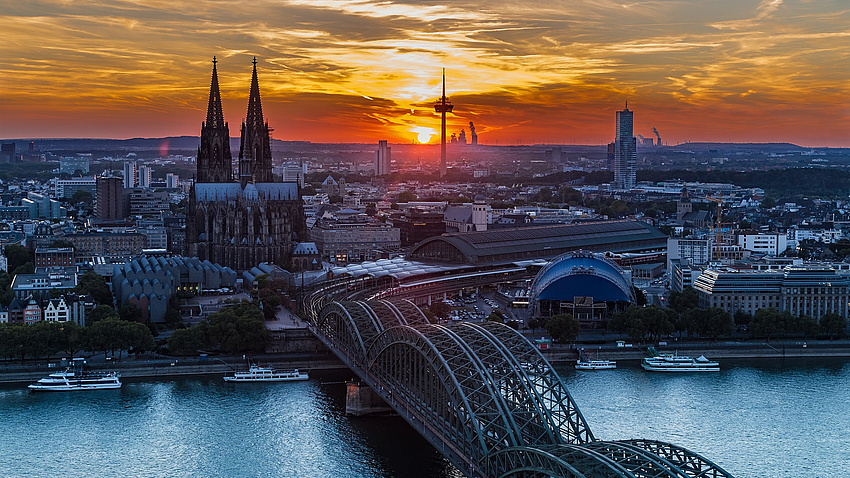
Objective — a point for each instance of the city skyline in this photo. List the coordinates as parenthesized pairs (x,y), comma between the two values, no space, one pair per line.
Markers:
(362,71)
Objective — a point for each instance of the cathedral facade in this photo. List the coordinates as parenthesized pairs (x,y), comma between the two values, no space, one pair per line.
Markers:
(241,221)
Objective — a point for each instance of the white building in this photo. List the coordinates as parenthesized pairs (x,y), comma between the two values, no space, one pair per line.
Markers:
(131,174)
(173,180)
(689,250)
(770,243)
(56,311)
(145,174)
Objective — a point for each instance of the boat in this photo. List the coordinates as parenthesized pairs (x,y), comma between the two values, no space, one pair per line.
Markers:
(257,373)
(678,363)
(77,377)
(585,363)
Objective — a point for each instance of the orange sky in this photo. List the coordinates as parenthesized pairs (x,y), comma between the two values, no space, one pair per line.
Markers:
(535,71)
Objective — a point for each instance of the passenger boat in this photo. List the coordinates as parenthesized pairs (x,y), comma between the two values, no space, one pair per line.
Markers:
(585,363)
(257,373)
(678,363)
(75,378)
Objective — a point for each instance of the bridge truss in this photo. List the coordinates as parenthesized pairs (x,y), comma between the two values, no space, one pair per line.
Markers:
(484,396)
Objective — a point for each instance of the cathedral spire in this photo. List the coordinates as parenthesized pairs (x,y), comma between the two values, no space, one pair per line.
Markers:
(215,162)
(215,117)
(255,155)
(255,108)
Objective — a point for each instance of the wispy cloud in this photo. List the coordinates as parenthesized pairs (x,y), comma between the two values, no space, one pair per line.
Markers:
(545,70)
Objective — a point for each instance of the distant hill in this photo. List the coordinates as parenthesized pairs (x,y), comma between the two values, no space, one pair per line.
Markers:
(765,147)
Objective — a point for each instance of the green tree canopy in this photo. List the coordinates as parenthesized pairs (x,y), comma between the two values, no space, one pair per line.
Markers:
(101,312)
(93,283)
(713,322)
(563,327)
(16,256)
(407,196)
(440,309)
(81,196)
(833,325)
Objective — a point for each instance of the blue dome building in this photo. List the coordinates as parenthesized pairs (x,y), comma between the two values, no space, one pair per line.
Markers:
(587,285)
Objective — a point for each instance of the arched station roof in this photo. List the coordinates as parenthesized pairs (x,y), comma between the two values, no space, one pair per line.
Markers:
(583,274)
(526,243)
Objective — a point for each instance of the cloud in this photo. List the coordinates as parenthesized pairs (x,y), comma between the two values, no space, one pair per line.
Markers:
(554,69)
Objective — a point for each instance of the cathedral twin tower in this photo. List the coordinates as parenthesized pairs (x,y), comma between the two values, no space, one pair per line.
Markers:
(241,222)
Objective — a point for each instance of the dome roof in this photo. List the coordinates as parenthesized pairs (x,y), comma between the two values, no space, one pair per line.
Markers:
(581,274)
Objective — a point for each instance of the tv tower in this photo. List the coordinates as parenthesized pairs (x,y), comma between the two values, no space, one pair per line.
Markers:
(443,106)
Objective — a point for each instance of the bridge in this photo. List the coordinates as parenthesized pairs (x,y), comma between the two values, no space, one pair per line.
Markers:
(480,393)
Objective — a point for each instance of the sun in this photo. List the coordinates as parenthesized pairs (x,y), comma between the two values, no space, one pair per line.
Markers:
(424,137)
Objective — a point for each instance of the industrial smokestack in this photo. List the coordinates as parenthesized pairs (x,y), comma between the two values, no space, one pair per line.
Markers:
(473,133)
(657,135)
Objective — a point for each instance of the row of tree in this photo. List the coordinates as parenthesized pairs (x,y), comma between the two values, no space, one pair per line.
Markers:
(46,339)
(237,328)
(686,317)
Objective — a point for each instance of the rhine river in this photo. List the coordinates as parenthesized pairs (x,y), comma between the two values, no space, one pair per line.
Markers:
(756,419)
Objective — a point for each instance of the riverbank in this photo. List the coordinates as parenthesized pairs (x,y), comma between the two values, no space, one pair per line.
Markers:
(166,367)
(712,350)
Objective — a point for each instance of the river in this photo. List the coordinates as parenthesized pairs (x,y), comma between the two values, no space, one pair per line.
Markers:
(756,419)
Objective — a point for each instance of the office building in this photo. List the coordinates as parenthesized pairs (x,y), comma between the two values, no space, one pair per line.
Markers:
(625,151)
(383,159)
(110,198)
(145,174)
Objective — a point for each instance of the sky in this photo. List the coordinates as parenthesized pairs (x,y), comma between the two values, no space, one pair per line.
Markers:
(525,72)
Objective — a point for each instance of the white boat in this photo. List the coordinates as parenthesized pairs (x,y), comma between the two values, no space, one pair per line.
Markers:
(585,363)
(595,364)
(679,363)
(257,373)
(76,377)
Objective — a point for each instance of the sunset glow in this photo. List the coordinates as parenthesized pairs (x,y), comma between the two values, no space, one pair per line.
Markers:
(363,70)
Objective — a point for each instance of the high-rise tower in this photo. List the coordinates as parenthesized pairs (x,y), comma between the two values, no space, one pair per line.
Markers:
(383,159)
(625,150)
(215,162)
(255,154)
(443,106)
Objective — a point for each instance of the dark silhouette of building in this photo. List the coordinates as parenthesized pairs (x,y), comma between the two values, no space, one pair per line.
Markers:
(415,225)
(7,153)
(240,224)
(110,198)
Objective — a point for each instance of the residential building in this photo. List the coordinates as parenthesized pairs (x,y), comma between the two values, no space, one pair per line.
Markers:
(131,174)
(71,165)
(39,284)
(56,310)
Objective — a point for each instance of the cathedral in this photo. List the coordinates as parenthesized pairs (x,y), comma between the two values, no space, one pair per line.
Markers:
(243,221)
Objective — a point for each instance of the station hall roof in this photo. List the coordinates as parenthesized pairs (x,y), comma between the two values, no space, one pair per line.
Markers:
(525,243)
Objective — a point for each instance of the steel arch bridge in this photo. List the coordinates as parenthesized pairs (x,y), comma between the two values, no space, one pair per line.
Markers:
(485,397)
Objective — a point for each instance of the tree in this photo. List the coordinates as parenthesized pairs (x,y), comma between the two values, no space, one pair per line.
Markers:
(682,301)
(25,268)
(407,196)
(533,324)
(767,203)
(496,316)
(16,256)
(563,327)
(767,323)
(130,313)
(440,309)
(61,243)
(101,312)
(81,196)
(713,322)
(833,325)
(93,283)
(742,319)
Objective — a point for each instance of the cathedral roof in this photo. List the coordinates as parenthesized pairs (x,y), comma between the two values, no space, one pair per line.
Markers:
(208,192)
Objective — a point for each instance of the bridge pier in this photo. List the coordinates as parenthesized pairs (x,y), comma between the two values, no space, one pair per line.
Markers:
(361,401)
